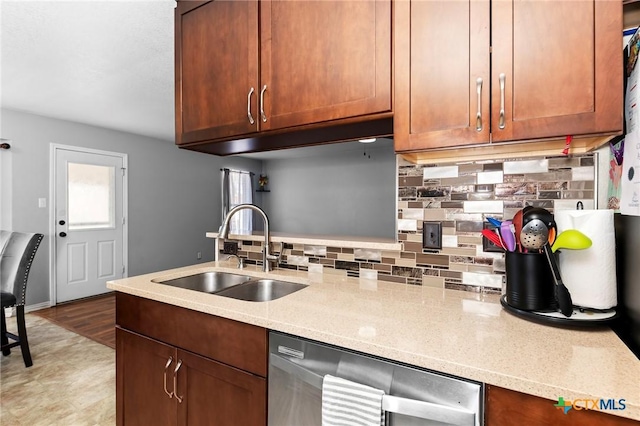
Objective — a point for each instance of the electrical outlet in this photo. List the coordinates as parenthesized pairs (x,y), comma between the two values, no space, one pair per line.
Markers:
(432,235)
(488,246)
(230,247)
(199,255)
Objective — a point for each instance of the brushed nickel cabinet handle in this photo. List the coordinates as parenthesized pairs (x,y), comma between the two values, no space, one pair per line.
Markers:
(479,113)
(251,120)
(264,116)
(502,78)
(166,367)
(175,381)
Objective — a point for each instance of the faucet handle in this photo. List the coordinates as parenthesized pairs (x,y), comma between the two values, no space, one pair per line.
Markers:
(240,260)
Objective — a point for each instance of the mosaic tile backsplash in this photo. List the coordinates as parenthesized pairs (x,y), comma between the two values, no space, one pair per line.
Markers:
(460,197)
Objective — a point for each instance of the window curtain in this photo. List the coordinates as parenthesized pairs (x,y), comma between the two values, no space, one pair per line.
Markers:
(237,188)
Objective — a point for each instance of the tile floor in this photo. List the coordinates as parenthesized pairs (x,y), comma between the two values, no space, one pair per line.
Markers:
(72,380)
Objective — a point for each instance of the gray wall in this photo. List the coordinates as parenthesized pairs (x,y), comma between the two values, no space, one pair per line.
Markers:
(334,191)
(174,195)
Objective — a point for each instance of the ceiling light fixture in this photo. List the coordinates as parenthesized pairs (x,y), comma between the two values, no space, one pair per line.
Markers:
(368,140)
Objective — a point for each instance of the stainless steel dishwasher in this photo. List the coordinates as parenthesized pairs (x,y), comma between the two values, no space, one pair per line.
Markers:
(412,396)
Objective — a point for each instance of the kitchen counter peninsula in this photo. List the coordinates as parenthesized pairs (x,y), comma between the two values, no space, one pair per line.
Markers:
(459,333)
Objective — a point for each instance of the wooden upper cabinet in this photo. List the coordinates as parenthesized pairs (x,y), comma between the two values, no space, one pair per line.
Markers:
(304,63)
(441,73)
(556,70)
(216,67)
(324,60)
(562,68)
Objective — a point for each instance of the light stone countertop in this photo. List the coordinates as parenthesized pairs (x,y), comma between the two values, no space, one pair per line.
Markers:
(318,240)
(460,333)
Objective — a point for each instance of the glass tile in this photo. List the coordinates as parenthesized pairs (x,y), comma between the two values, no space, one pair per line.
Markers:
(480,196)
(549,195)
(410,181)
(440,172)
(461,180)
(459,197)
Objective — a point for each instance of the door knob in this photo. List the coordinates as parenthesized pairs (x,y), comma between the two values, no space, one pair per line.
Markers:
(62,222)
(63,234)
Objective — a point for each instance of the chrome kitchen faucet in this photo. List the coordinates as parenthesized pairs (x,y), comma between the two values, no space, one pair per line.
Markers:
(267,257)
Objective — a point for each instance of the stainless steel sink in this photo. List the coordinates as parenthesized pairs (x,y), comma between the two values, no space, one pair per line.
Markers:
(235,286)
(262,290)
(207,282)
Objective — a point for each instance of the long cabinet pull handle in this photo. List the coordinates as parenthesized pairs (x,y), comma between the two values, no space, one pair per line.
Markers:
(262,114)
(251,120)
(166,367)
(502,78)
(175,381)
(479,113)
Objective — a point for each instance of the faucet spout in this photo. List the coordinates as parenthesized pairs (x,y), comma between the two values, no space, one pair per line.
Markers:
(267,256)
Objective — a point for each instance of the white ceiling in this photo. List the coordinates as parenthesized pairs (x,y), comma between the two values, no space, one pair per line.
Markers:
(105,63)
(108,63)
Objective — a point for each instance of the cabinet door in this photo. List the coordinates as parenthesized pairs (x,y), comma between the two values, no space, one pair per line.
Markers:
(140,372)
(506,407)
(561,67)
(441,73)
(214,394)
(216,68)
(324,60)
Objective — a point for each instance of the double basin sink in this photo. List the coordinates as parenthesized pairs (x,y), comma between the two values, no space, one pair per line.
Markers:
(235,286)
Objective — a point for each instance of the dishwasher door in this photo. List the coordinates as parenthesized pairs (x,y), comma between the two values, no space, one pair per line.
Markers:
(412,396)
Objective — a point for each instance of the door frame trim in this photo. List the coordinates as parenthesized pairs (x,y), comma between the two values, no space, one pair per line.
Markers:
(53,151)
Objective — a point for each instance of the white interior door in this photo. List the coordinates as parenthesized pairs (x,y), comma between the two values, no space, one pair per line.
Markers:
(89,222)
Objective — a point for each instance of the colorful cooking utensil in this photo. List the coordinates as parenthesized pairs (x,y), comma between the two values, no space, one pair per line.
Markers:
(493,237)
(517,225)
(538,213)
(495,222)
(531,213)
(571,239)
(507,234)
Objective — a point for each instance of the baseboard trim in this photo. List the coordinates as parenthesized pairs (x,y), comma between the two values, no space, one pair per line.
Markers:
(10,312)
(37,306)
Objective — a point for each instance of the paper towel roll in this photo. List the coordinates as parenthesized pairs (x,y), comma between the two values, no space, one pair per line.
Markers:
(590,275)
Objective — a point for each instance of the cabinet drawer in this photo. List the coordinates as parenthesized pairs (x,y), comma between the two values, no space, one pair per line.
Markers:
(243,346)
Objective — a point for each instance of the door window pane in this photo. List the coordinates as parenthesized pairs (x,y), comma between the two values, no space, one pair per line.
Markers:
(91,196)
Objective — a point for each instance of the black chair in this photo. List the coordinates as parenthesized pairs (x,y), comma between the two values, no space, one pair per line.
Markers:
(17,251)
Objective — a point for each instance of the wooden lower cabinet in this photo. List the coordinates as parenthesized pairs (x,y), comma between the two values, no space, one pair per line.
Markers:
(158,384)
(507,408)
(216,394)
(175,366)
(140,368)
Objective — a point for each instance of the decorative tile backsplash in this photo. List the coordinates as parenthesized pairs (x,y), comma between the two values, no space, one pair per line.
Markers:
(460,197)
